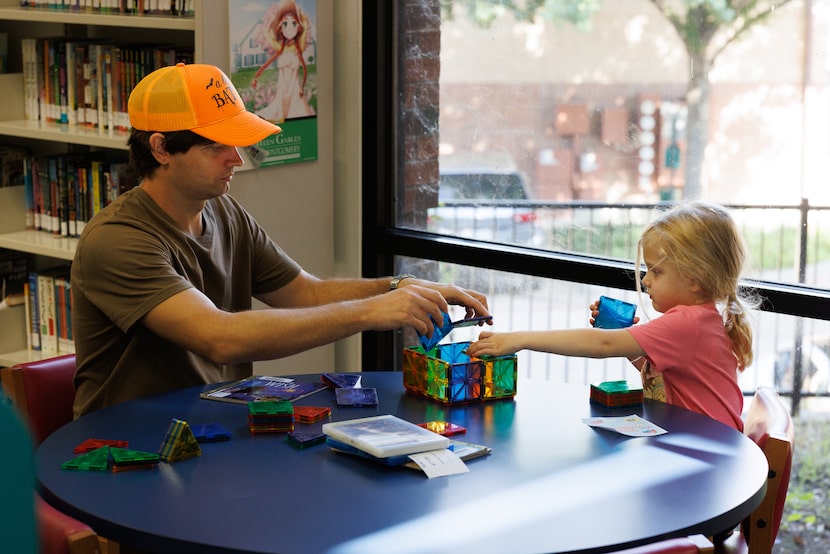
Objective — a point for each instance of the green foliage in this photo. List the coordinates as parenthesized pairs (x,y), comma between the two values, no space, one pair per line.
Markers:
(805,510)
(485,12)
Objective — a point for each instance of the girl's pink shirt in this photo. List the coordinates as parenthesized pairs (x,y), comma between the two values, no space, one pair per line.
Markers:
(688,347)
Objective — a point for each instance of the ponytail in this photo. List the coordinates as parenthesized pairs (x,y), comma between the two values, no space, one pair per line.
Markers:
(738,328)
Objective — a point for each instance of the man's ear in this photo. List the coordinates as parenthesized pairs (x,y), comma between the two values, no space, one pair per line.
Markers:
(157,146)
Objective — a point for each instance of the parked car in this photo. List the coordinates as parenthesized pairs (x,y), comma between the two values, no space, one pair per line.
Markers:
(815,365)
(481,197)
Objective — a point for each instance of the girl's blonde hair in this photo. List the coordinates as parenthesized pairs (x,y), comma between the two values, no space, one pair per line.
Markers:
(701,240)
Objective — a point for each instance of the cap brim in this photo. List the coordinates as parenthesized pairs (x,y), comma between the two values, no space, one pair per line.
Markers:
(242,129)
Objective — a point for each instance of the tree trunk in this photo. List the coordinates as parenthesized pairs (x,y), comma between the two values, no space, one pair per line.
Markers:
(697,126)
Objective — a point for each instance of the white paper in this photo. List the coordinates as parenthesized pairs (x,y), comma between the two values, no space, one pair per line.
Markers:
(438,463)
(631,425)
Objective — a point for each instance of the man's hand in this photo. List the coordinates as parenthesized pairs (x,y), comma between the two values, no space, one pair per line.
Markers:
(474,302)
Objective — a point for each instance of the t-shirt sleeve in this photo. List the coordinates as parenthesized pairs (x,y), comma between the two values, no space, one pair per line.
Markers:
(668,339)
(127,273)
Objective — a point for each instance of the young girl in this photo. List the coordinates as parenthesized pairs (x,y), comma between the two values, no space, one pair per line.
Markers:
(691,355)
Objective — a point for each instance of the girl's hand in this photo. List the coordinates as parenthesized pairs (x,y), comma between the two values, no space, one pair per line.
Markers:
(493,344)
(594,309)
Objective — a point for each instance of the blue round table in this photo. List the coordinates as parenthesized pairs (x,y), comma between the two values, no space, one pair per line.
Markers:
(551,483)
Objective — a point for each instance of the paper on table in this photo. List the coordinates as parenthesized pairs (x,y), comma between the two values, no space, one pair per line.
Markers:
(438,463)
(632,425)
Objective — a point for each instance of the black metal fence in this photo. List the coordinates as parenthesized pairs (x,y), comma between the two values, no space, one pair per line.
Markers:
(787,244)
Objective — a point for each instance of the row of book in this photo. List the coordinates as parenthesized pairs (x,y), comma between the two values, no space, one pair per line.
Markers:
(64,191)
(48,297)
(86,82)
(120,7)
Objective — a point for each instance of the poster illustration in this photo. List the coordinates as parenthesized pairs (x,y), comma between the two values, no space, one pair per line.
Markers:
(274,68)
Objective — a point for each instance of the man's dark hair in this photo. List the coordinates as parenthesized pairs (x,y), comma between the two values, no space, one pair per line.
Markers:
(141,155)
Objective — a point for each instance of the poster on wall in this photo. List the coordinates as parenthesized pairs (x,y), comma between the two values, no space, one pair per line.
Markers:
(274,68)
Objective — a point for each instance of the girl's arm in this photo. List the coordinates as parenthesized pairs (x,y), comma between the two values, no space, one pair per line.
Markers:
(585,343)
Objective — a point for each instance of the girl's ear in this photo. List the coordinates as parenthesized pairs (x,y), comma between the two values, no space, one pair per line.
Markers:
(696,288)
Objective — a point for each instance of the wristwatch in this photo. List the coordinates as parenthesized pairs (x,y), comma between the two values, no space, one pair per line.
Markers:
(396,281)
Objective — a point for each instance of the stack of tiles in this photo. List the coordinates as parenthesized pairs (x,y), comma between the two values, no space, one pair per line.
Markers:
(616,394)
(271,416)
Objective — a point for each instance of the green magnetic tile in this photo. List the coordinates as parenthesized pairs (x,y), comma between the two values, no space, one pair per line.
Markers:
(271,407)
(127,456)
(97,460)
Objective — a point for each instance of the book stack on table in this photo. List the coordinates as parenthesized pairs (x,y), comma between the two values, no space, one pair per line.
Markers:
(616,394)
(385,438)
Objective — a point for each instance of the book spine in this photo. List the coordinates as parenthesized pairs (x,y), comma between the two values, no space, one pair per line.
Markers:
(37,194)
(34,312)
(83,196)
(72,197)
(46,305)
(63,318)
(92,93)
(27,298)
(63,88)
(95,192)
(70,330)
(52,205)
(29,54)
(63,197)
(79,58)
(29,184)
(71,96)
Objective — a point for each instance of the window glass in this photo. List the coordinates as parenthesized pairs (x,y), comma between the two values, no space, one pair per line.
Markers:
(567,129)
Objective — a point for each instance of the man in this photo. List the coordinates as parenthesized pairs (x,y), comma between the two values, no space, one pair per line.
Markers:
(163,278)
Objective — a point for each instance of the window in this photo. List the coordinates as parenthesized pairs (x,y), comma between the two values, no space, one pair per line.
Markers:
(511,150)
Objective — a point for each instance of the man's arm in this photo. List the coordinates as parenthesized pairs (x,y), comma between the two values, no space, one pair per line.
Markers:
(312,315)
(307,290)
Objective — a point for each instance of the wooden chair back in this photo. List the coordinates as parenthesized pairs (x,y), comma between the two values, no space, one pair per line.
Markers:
(769,424)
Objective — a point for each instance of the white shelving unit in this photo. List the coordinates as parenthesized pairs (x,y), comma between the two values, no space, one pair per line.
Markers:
(19,22)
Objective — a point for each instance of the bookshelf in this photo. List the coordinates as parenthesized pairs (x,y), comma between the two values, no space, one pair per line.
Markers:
(44,137)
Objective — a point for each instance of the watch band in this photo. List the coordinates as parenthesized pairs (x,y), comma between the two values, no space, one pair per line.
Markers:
(396,280)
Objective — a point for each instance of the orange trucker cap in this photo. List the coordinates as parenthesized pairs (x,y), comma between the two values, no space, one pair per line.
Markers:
(199,98)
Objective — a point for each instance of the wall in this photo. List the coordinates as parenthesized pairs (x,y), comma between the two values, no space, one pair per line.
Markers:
(304,206)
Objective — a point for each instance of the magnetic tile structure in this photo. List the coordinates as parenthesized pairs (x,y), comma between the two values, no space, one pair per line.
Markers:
(447,374)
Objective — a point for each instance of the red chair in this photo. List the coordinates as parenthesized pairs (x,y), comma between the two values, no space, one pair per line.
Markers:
(692,544)
(59,533)
(769,424)
(42,392)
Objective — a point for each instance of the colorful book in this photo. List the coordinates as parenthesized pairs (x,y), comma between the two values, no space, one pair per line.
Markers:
(262,388)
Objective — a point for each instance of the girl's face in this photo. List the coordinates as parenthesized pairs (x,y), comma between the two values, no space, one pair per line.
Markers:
(664,284)
(289,27)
